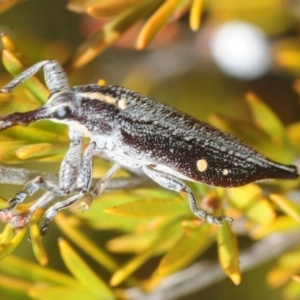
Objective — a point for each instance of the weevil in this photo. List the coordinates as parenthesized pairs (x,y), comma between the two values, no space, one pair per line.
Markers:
(135,132)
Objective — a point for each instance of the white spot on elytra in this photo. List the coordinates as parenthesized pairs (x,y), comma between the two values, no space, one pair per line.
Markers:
(201,165)
(225,172)
(122,103)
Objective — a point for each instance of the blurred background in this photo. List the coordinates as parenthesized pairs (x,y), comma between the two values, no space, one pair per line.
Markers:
(240,47)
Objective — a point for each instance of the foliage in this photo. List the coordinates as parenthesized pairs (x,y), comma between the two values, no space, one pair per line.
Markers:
(151,223)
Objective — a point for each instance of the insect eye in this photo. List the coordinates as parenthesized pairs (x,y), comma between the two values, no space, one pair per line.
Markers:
(62,112)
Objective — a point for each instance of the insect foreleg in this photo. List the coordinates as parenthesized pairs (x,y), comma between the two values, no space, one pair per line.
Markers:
(83,179)
(70,166)
(55,77)
(69,171)
(174,184)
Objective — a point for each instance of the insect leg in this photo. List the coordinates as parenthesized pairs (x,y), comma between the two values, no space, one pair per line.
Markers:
(70,166)
(100,187)
(55,77)
(32,187)
(84,180)
(172,183)
(67,178)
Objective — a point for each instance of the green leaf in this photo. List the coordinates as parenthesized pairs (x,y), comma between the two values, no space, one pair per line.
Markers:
(10,103)
(34,134)
(87,278)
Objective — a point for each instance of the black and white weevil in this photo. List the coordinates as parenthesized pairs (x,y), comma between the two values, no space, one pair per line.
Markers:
(136,132)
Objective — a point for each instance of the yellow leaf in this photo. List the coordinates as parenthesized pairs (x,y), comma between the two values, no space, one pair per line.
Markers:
(15,285)
(80,6)
(97,218)
(40,150)
(78,267)
(155,23)
(109,34)
(296,278)
(8,44)
(6,235)
(150,208)
(293,132)
(228,252)
(84,243)
(131,266)
(289,59)
(36,238)
(291,291)
(18,267)
(249,133)
(5,5)
(125,271)
(287,206)
(279,276)
(52,293)
(191,244)
(249,200)
(8,151)
(195,14)
(266,119)
(108,8)
(279,225)
(132,243)
(7,248)
(181,10)
(286,267)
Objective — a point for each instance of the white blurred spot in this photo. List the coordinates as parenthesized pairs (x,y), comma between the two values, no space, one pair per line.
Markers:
(241,50)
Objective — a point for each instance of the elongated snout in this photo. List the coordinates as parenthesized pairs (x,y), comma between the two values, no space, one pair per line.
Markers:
(24,119)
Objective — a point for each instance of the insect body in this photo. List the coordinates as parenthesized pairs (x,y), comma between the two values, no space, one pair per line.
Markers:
(136,132)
